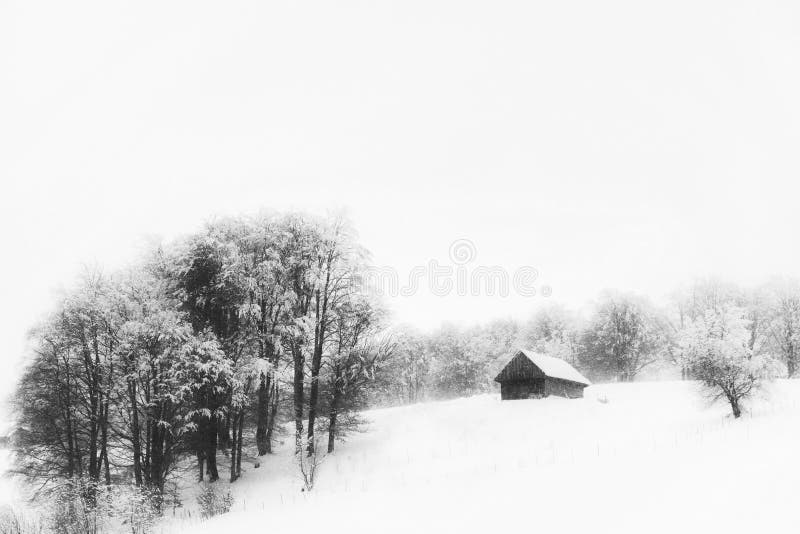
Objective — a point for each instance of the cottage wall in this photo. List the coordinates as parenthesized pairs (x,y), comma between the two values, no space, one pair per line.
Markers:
(564,388)
(522,389)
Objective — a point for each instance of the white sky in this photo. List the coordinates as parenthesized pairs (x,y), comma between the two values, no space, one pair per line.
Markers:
(622,144)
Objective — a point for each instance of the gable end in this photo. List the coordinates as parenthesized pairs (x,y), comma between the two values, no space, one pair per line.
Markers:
(519,368)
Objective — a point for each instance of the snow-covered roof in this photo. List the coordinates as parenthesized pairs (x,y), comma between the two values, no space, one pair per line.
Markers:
(555,367)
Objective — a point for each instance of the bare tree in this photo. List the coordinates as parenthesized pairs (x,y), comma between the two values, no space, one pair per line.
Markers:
(308,464)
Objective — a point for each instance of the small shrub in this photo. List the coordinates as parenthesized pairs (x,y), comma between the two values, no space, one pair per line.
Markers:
(213,502)
(15,522)
(136,508)
(77,508)
(308,464)
(82,507)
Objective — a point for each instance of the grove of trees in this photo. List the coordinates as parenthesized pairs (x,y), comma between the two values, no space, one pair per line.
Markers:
(201,350)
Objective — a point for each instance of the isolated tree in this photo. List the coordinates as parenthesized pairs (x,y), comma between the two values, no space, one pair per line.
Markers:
(716,349)
(692,300)
(624,336)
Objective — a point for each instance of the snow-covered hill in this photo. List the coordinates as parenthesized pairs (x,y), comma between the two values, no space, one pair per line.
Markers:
(653,458)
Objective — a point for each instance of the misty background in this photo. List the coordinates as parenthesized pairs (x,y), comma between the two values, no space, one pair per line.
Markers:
(602,152)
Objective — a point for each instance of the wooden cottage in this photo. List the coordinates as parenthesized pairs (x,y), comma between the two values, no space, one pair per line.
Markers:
(530,375)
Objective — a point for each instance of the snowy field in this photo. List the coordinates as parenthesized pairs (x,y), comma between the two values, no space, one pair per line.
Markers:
(653,458)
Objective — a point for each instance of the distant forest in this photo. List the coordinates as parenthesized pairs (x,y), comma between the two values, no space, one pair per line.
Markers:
(620,337)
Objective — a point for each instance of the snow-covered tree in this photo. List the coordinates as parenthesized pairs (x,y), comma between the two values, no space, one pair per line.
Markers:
(151,391)
(207,374)
(359,350)
(203,277)
(782,322)
(337,288)
(410,366)
(716,349)
(456,369)
(553,330)
(66,394)
(261,268)
(103,380)
(625,335)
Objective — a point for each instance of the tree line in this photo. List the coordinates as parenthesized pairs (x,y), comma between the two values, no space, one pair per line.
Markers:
(203,348)
(726,336)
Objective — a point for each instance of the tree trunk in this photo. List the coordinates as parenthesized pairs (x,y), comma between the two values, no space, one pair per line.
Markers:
(70,446)
(313,396)
(236,443)
(234,448)
(334,412)
(737,412)
(135,433)
(104,455)
(211,451)
(224,431)
(155,476)
(273,414)
(239,444)
(299,364)
(72,440)
(93,434)
(263,414)
(95,402)
(316,359)
(332,432)
(148,436)
(103,458)
(200,461)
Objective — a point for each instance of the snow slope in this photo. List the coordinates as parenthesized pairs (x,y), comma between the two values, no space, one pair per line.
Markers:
(654,458)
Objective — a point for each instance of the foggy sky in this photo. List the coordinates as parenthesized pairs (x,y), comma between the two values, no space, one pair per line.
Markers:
(607,144)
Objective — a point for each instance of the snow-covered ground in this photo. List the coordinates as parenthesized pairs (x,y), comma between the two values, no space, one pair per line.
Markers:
(654,458)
